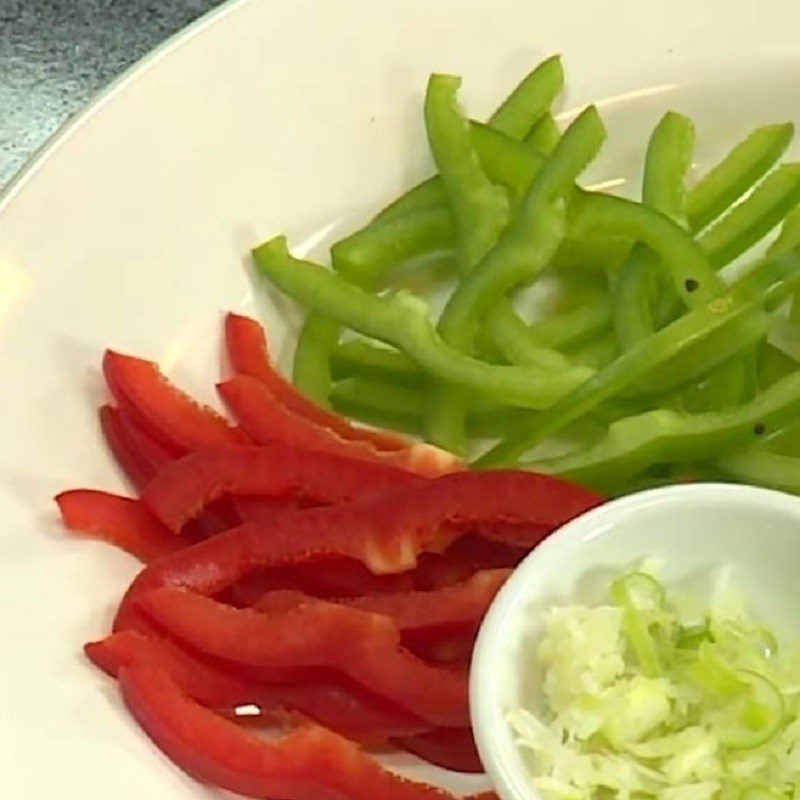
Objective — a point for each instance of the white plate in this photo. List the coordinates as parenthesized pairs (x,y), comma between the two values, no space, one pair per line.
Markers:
(129,230)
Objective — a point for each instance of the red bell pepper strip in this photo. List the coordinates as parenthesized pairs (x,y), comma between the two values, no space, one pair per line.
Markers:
(423,618)
(308,764)
(444,610)
(338,578)
(203,681)
(248,352)
(451,748)
(385,533)
(342,709)
(438,625)
(317,636)
(259,411)
(465,557)
(140,457)
(165,412)
(262,510)
(120,521)
(272,471)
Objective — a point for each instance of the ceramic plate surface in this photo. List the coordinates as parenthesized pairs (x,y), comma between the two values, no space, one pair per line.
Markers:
(129,231)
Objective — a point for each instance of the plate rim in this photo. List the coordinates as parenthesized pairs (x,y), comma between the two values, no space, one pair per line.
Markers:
(104,95)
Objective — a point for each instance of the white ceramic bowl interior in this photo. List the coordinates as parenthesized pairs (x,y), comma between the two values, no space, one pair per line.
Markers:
(693,529)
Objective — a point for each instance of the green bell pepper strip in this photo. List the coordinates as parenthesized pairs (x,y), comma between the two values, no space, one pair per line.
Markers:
(752,219)
(694,278)
(596,353)
(377,250)
(773,364)
(523,251)
(762,468)
(789,239)
(726,182)
(515,340)
(513,165)
(766,285)
(571,327)
(735,381)
(310,373)
(634,291)
(380,403)
(530,100)
(523,343)
(635,443)
(668,158)
(402,408)
(402,320)
(704,357)
(365,256)
(425,195)
(528,243)
(480,212)
(360,358)
(479,208)
(544,135)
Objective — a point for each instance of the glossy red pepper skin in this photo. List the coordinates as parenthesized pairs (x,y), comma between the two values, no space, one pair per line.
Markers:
(262,510)
(139,456)
(430,623)
(385,533)
(445,610)
(450,748)
(343,709)
(287,644)
(465,557)
(310,763)
(276,471)
(120,521)
(248,353)
(334,579)
(163,411)
(260,413)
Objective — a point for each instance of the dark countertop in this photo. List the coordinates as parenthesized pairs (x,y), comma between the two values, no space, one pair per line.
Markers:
(55,55)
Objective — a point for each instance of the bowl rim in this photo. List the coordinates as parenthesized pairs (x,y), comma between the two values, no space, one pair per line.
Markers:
(495,746)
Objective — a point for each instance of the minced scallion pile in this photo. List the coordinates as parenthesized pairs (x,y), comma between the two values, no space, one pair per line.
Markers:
(646,699)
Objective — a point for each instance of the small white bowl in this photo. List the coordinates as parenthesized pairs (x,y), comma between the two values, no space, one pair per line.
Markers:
(693,530)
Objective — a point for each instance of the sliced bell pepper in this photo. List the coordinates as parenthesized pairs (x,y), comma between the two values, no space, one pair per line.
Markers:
(441,612)
(451,748)
(465,557)
(436,625)
(266,421)
(309,763)
(273,471)
(249,355)
(262,510)
(343,709)
(140,457)
(338,578)
(120,521)
(385,533)
(315,636)
(165,412)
